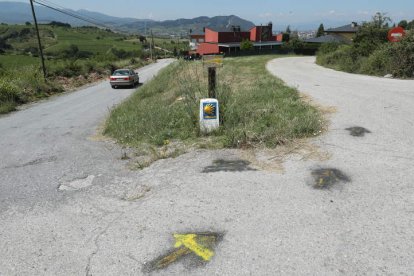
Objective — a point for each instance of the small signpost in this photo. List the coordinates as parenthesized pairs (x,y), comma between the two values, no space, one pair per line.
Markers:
(396,34)
(212,62)
(209,108)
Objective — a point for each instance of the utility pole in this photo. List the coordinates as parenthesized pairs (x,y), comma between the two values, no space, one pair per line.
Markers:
(153,46)
(38,40)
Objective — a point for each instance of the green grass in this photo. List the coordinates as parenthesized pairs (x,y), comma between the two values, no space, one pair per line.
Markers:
(96,41)
(257,108)
(14,61)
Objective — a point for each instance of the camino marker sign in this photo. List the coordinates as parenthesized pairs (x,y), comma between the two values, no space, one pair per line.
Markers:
(209,115)
(396,34)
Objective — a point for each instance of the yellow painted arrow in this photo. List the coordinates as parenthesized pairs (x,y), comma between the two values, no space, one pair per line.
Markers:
(188,241)
(200,244)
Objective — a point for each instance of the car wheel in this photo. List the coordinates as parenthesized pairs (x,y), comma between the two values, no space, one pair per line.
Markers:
(113,86)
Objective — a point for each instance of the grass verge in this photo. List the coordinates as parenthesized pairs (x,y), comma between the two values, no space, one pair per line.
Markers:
(256,109)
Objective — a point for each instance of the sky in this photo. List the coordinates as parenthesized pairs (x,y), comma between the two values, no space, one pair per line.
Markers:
(281,13)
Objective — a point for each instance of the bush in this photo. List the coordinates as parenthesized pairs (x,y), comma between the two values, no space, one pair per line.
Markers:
(327,48)
(9,92)
(402,61)
(378,63)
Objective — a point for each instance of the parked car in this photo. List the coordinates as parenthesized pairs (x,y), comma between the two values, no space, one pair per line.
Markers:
(124,77)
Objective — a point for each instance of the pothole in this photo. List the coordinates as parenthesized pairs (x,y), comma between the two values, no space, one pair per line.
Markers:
(327,177)
(77,184)
(358,131)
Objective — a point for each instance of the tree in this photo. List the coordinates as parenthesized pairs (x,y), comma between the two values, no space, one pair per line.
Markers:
(321,31)
(404,24)
(381,20)
(142,39)
(246,45)
(288,31)
(368,38)
(28,23)
(410,25)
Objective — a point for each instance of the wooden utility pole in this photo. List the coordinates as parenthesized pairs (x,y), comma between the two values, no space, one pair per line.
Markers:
(153,46)
(38,40)
(212,82)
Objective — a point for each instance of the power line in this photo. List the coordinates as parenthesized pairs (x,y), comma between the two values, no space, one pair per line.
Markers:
(71,14)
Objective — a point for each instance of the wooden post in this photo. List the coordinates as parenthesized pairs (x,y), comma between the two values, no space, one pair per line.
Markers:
(38,41)
(212,82)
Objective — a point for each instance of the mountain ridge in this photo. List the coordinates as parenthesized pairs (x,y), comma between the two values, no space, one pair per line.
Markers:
(19,13)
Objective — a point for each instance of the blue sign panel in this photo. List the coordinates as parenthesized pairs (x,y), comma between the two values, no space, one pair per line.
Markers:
(210,111)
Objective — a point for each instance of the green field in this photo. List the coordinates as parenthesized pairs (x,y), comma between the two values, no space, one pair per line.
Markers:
(14,61)
(98,41)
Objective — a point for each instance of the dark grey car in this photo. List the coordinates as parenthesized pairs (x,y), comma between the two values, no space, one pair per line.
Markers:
(124,77)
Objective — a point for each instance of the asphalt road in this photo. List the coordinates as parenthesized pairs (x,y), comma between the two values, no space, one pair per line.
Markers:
(70,205)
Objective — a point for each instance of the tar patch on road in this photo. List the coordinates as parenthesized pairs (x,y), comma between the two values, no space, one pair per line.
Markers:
(195,249)
(326,178)
(221,165)
(358,131)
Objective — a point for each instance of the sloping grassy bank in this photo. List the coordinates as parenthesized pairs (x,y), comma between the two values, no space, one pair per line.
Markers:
(256,108)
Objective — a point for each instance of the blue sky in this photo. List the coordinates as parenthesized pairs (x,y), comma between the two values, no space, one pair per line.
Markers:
(281,13)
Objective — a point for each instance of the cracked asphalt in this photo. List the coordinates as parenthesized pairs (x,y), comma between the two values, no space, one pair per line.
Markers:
(70,205)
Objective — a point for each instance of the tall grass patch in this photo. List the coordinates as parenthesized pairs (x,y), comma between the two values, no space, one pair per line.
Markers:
(256,109)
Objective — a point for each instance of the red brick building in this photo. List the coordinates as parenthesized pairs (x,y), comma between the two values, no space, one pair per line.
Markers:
(228,40)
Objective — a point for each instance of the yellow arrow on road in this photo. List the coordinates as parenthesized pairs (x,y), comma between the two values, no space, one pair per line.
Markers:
(189,242)
(200,244)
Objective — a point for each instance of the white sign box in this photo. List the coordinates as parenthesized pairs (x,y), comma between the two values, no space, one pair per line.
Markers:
(209,115)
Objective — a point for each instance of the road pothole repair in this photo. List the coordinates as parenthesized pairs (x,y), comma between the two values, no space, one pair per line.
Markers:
(328,177)
(358,131)
(137,194)
(195,249)
(221,165)
(77,184)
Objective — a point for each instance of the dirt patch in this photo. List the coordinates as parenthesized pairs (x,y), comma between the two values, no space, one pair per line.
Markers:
(358,131)
(221,165)
(327,177)
(273,159)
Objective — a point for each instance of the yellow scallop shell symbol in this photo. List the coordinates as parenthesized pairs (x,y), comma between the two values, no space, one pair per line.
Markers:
(209,109)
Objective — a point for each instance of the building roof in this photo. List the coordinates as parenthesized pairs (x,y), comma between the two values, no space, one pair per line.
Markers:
(225,30)
(237,44)
(350,28)
(197,33)
(327,38)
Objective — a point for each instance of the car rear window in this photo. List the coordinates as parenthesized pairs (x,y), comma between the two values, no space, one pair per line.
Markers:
(121,73)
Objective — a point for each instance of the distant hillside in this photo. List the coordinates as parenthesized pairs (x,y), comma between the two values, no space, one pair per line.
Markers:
(183,26)
(19,13)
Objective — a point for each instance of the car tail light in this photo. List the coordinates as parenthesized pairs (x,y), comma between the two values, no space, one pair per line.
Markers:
(112,79)
(127,79)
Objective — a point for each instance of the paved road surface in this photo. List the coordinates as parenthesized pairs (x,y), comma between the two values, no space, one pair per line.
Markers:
(70,206)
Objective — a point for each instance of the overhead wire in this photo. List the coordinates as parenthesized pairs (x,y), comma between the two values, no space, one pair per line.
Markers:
(71,11)
(68,13)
